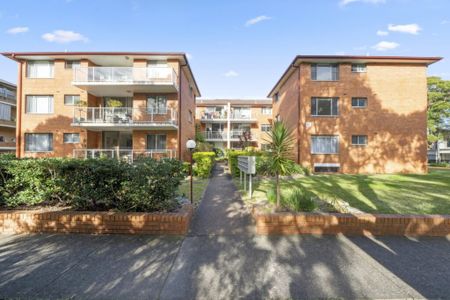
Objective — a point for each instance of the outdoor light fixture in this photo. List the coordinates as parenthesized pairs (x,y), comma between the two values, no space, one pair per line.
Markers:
(190,144)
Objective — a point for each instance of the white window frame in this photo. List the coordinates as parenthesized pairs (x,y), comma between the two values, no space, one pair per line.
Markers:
(358,100)
(266,110)
(316,108)
(71,140)
(358,138)
(72,100)
(359,68)
(324,137)
(34,136)
(32,69)
(36,98)
(333,71)
(5,112)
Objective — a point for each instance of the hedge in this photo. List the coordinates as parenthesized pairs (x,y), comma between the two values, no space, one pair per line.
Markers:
(204,162)
(93,184)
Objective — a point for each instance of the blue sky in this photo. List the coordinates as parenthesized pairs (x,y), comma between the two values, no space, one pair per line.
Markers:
(237,48)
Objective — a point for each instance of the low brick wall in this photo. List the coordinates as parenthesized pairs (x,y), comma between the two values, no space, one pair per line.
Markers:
(96,222)
(351,224)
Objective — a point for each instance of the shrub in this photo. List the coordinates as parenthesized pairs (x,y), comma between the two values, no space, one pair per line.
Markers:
(204,147)
(298,200)
(97,184)
(233,159)
(271,195)
(204,162)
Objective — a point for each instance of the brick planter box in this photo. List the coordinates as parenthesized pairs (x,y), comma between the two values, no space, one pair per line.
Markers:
(96,222)
(351,224)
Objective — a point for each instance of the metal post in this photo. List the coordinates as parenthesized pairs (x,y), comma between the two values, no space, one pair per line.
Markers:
(250,185)
(240,177)
(245,182)
(190,171)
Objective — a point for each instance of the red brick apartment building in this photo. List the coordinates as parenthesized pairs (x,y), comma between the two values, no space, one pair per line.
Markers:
(356,114)
(225,122)
(7,116)
(91,104)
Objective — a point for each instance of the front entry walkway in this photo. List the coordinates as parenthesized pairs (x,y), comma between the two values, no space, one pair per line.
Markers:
(221,258)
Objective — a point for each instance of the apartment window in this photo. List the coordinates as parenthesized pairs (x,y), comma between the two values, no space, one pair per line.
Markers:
(359,102)
(276,97)
(38,142)
(326,168)
(190,117)
(5,112)
(2,139)
(325,72)
(71,64)
(278,118)
(157,104)
(40,69)
(324,106)
(265,147)
(359,68)
(322,144)
(39,104)
(266,127)
(156,141)
(359,140)
(266,110)
(157,63)
(71,138)
(71,99)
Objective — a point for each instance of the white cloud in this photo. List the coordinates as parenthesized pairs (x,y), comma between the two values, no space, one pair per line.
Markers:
(64,36)
(346,2)
(382,33)
(384,45)
(405,28)
(257,20)
(231,73)
(16,30)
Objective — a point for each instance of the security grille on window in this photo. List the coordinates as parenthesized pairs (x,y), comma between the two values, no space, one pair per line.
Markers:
(5,112)
(71,138)
(71,99)
(266,127)
(324,106)
(358,102)
(325,72)
(38,142)
(156,141)
(72,64)
(39,104)
(359,68)
(360,140)
(157,104)
(266,110)
(40,69)
(325,144)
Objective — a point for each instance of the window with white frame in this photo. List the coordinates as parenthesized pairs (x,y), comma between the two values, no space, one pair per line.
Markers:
(156,141)
(40,69)
(359,102)
(190,116)
(71,99)
(5,112)
(157,104)
(266,127)
(39,104)
(359,140)
(71,138)
(72,64)
(38,142)
(359,68)
(325,72)
(324,106)
(266,110)
(323,144)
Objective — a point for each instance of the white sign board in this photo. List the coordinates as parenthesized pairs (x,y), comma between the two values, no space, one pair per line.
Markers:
(247,164)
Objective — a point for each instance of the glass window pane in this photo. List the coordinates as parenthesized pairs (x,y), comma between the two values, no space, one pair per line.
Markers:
(324,107)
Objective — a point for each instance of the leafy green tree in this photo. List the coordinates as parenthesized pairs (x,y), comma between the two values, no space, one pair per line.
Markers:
(280,154)
(438,107)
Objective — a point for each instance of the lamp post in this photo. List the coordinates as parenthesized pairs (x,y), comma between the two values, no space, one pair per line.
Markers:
(190,144)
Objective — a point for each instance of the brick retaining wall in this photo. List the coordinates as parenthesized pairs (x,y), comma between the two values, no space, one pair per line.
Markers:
(96,222)
(351,224)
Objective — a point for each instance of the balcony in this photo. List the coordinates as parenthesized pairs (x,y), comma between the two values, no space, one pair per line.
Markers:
(215,135)
(242,117)
(116,118)
(214,117)
(124,81)
(129,155)
(236,135)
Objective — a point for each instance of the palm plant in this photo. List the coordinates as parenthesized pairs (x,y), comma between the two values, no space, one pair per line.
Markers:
(280,163)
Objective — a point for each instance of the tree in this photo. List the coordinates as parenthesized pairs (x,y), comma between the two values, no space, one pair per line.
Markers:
(438,108)
(245,139)
(279,162)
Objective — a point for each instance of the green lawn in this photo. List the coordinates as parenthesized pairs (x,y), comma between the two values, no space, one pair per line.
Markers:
(200,185)
(406,194)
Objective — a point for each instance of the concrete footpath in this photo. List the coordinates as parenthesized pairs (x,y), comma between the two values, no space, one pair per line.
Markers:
(222,258)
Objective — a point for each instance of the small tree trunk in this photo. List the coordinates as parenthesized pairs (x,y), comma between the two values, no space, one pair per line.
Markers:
(277,176)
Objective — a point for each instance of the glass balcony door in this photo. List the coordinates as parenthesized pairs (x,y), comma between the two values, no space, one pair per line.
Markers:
(121,139)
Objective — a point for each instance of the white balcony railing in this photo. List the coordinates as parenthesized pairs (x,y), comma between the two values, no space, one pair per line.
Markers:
(124,75)
(129,155)
(124,116)
(223,135)
(238,134)
(215,135)
(244,115)
(214,115)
